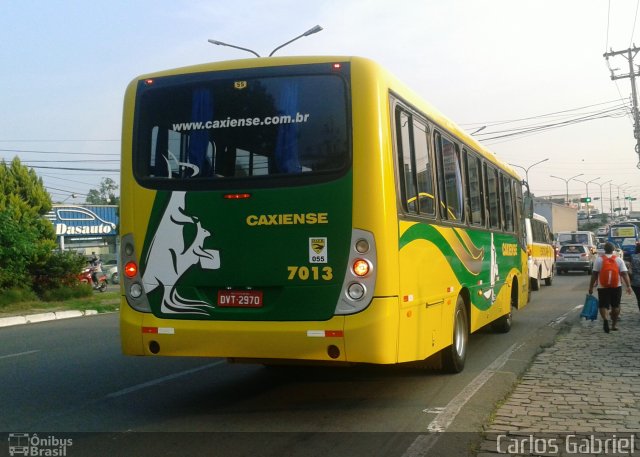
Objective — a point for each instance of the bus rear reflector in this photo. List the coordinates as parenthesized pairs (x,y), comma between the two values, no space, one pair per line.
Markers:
(159,330)
(325,333)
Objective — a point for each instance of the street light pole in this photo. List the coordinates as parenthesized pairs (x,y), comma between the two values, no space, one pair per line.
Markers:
(566,181)
(586,183)
(611,202)
(311,31)
(601,203)
(526,171)
(618,198)
(624,197)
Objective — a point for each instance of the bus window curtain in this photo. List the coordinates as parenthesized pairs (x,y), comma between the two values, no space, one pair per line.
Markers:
(201,111)
(286,153)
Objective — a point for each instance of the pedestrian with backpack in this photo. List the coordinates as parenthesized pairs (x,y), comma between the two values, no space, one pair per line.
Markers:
(608,269)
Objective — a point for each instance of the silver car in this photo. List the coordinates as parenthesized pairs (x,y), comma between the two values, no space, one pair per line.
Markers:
(575,257)
(110,268)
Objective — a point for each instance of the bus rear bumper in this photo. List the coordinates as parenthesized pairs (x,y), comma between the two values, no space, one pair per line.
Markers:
(367,337)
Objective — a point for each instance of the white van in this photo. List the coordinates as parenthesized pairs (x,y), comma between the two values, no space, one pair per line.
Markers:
(578,237)
(542,255)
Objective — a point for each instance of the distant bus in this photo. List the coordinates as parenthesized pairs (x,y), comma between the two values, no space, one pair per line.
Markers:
(626,235)
(541,252)
(310,208)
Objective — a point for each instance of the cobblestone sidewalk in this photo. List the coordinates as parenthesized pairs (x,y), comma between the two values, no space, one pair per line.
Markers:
(586,384)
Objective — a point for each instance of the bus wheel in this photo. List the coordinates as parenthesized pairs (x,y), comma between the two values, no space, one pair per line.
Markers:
(502,324)
(535,282)
(548,281)
(454,356)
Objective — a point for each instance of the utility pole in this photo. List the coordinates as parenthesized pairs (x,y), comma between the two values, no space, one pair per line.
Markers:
(630,55)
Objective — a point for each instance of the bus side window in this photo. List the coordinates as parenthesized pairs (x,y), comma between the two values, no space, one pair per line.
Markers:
(473,180)
(409,194)
(424,169)
(507,204)
(493,196)
(449,179)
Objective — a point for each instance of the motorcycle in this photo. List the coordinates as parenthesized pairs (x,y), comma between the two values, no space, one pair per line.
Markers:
(87,277)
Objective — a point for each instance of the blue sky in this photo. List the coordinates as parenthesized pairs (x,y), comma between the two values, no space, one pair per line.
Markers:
(66,65)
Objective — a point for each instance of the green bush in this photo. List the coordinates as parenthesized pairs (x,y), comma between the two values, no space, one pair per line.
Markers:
(59,271)
(15,295)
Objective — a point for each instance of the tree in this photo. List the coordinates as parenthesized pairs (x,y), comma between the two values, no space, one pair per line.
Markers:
(26,237)
(105,194)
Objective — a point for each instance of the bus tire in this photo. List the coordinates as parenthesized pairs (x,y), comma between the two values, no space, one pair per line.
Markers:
(535,282)
(549,281)
(454,356)
(502,324)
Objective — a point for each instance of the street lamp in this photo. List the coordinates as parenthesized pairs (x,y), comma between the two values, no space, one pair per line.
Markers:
(618,198)
(625,199)
(602,204)
(526,171)
(220,43)
(586,183)
(70,196)
(311,31)
(566,181)
(631,199)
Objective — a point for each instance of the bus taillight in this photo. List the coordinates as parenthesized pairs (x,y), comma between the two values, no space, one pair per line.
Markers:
(361,267)
(240,196)
(130,269)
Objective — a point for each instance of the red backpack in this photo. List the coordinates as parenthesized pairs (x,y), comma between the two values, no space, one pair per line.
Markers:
(609,275)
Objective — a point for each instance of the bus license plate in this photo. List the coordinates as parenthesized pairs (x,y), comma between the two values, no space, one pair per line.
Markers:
(240,298)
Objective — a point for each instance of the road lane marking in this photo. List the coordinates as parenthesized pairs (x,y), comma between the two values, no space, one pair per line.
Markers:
(423,443)
(561,318)
(157,381)
(18,354)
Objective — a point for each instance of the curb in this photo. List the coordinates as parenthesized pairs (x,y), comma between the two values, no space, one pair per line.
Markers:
(43,317)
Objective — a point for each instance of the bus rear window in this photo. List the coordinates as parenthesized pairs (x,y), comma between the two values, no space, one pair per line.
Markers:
(240,128)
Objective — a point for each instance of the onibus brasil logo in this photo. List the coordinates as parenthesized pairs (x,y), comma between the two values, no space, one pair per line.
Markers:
(30,444)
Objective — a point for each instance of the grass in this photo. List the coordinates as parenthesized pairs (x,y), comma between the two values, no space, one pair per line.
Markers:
(103,302)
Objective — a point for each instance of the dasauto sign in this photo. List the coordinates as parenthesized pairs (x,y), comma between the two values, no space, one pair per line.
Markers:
(84,220)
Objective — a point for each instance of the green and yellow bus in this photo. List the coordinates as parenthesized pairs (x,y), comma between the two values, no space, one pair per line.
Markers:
(310,209)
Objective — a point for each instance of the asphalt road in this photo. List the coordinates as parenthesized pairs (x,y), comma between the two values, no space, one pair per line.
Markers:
(68,378)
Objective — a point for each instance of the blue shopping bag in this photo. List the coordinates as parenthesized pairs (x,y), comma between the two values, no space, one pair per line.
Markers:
(590,308)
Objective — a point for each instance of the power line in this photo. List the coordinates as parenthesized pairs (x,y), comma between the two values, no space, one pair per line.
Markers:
(71,161)
(65,191)
(539,128)
(492,123)
(57,141)
(60,152)
(66,179)
(615,111)
(630,56)
(635,18)
(76,169)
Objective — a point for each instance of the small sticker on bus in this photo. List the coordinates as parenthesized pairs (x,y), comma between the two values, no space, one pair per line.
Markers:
(318,250)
